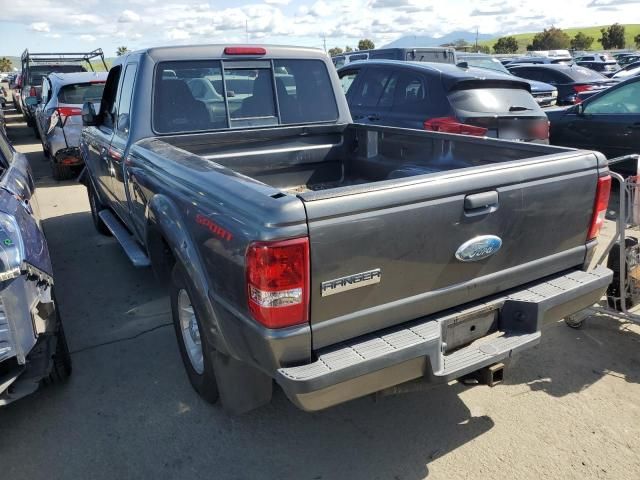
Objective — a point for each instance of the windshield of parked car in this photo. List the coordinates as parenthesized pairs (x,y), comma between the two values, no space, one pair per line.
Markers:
(38,72)
(582,74)
(493,100)
(485,62)
(78,93)
(210,95)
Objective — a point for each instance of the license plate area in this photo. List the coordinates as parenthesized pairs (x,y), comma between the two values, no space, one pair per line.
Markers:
(463,330)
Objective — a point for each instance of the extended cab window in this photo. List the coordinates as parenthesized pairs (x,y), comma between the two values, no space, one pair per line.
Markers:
(108,105)
(190,96)
(124,104)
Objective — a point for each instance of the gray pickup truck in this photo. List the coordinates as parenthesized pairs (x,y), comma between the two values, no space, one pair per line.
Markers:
(337,259)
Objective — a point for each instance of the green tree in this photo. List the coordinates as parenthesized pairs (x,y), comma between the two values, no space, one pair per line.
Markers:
(581,42)
(5,65)
(122,51)
(636,39)
(366,44)
(460,43)
(335,51)
(484,49)
(348,49)
(550,39)
(612,37)
(506,45)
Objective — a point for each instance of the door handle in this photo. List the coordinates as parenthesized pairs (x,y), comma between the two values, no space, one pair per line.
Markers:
(481,203)
(635,126)
(373,117)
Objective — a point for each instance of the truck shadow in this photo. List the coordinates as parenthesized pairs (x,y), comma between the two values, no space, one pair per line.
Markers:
(569,361)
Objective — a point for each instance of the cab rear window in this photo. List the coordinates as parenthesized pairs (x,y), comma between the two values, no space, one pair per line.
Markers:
(79,93)
(208,95)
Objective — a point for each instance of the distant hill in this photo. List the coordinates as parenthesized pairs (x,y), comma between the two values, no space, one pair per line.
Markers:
(524,39)
(428,41)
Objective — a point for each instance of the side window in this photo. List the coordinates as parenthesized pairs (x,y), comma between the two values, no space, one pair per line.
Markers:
(108,105)
(371,87)
(124,102)
(410,93)
(624,100)
(347,79)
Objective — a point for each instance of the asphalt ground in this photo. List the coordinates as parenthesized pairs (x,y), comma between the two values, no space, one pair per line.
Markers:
(569,408)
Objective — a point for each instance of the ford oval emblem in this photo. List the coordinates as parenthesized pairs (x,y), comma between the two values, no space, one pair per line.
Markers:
(478,248)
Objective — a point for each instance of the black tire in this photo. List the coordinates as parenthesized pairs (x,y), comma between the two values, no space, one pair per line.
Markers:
(203,383)
(613,262)
(62,367)
(96,206)
(61,172)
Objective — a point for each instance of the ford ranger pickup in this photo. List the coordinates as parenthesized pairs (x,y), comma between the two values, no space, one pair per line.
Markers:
(333,258)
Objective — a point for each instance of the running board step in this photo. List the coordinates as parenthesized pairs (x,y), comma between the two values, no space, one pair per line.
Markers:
(125,239)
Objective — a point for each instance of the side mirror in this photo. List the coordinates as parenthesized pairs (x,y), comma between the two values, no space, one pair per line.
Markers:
(31,101)
(89,116)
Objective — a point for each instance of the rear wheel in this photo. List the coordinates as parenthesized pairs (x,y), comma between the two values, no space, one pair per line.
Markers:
(195,350)
(61,172)
(96,206)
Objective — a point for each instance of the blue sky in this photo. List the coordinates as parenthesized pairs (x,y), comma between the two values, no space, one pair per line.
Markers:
(86,24)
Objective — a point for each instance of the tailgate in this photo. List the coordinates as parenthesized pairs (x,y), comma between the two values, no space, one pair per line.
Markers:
(382,256)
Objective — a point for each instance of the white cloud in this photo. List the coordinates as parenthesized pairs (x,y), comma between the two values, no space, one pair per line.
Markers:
(40,27)
(128,16)
(343,22)
(177,34)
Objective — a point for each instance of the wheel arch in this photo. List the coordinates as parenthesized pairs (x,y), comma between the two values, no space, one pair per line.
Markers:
(168,241)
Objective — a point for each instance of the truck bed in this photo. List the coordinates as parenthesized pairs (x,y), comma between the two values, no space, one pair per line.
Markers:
(340,161)
(402,203)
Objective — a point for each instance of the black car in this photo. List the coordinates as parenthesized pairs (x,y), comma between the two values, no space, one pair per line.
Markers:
(444,98)
(570,80)
(599,62)
(527,59)
(608,122)
(627,59)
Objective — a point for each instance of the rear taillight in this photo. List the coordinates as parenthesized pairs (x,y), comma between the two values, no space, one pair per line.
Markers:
(245,51)
(582,88)
(32,92)
(600,206)
(68,112)
(452,125)
(278,282)
(540,130)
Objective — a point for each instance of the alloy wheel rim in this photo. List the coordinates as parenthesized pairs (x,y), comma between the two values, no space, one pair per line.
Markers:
(190,331)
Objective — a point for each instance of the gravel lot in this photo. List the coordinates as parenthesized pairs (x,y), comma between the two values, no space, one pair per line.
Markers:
(569,408)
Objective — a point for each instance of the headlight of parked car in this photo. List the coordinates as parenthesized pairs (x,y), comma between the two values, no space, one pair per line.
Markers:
(11,248)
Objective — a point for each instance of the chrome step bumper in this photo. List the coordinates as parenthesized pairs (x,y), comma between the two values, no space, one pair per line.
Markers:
(375,362)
